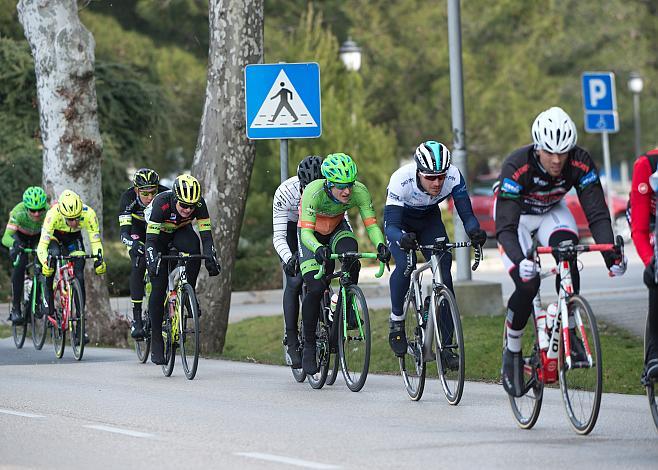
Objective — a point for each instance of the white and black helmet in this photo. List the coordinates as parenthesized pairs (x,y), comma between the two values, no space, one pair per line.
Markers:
(432,157)
(554,131)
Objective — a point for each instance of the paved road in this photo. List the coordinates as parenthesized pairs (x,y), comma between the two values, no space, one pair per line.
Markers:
(111,412)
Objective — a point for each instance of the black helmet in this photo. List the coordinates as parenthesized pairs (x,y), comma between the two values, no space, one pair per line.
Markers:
(309,170)
(145,177)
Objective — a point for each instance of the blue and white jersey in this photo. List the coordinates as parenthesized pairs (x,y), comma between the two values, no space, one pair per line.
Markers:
(403,189)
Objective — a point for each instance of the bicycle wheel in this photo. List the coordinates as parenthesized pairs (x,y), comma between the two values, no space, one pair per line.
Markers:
(354,337)
(650,384)
(19,330)
(169,346)
(322,356)
(412,364)
(449,344)
(189,331)
(143,347)
(332,371)
(58,331)
(299,374)
(526,408)
(581,384)
(77,320)
(39,316)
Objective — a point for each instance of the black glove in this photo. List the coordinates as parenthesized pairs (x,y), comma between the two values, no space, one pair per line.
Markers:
(291,268)
(478,236)
(650,274)
(383,253)
(15,250)
(212,265)
(152,261)
(408,241)
(137,249)
(611,257)
(322,254)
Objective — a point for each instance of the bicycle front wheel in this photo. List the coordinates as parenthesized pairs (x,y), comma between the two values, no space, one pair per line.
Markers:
(58,331)
(143,346)
(651,384)
(39,316)
(169,346)
(77,320)
(449,344)
(354,338)
(582,382)
(412,364)
(526,408)
(189,331)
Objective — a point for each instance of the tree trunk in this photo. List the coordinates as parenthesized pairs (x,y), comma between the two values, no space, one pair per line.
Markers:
(224,156)
(63,51)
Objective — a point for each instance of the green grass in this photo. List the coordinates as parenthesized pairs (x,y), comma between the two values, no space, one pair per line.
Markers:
(259,340)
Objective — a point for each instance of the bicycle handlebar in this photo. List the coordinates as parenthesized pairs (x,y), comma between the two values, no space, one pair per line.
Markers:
(351,255)
(570,249)
(441,245)
(184,256)
(26,251)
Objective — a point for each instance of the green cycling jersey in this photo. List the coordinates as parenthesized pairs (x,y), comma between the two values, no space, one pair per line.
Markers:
(21,221)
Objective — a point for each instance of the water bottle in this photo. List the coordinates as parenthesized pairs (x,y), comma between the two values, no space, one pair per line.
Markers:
(542,335)
(551,312)
(27,289)
(332,306)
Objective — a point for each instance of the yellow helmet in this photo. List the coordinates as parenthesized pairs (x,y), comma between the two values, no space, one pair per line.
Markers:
(187,189)
(69,204)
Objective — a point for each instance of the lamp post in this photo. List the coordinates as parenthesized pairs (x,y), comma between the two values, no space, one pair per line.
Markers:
(635,86)
(350,55)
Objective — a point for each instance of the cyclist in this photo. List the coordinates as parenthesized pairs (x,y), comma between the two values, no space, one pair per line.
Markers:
(62,235)
(530,199)
(169,220)
(146,184)
(324,230)
(643,203)
(285,214)
(412,215)
(22,231)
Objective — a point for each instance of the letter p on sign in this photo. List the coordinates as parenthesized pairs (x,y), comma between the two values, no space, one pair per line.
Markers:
(597,91)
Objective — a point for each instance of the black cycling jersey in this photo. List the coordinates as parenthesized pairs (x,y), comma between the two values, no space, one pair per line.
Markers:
(131,216)
(526,188)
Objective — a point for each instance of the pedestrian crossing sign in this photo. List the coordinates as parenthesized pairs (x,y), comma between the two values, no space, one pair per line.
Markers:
(283,101)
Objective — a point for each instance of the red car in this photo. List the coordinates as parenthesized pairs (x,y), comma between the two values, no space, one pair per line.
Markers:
(482,200)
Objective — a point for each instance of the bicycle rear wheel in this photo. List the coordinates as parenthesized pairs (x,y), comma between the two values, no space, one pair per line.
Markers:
(189,331)
(169,347)
(322,356)
(449,344)
(77,320)
(58,331)
(299,374)
(143,347)
(582,384)
(526,408)
(333,369)
(19,330)
(412,365)
(354,337)
(39,316)
(650,384)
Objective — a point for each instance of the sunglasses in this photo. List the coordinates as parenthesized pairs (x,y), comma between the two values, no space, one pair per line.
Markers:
(72,219)
(433,177)
(343,185)
(147,193)
(186,206)
(36,211)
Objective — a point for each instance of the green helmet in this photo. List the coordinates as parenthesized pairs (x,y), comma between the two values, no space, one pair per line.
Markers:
(34,198)
(339,168)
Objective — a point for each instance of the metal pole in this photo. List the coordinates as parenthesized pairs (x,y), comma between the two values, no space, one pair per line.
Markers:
(283,155)
(459,157)
(636,118)
(608,172)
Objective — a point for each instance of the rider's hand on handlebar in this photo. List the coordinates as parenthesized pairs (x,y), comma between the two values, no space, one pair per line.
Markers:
(615,262)
(291,268)
(213,267)
(47,270)
(99,264)
(152,262)
(408,241)
(478,236)
(137,249)
(383,253)
(322,254)
(528,269)
(15,250)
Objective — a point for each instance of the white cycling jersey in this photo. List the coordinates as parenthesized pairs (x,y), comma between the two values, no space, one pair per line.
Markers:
(403,189)
(285,208)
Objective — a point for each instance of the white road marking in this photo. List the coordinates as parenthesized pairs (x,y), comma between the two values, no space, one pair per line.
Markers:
(286,460)
(126,432)
(18,413)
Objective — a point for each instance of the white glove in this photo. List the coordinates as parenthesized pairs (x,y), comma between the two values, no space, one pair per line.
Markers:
(619,269)
(527,269)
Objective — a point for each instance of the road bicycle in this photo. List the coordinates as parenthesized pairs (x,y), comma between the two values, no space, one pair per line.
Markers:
(553,353)
(69,308)
(31,307)
(435,320)
(350,330)
(143,345)
(180,326)
(650,384)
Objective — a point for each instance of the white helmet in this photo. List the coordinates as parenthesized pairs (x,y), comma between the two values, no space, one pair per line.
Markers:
(554,131)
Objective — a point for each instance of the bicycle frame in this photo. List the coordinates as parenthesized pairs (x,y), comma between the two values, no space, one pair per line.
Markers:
(63,275)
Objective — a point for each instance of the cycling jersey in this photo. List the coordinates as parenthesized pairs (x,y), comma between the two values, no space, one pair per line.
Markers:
(21,222)
(285,211)
(526,188)
(643,203)
(131,216)
(55,228)
(320,213)
(405,199)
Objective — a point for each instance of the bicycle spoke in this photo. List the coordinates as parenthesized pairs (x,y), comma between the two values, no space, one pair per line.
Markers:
(449,344)
(412,364)
(189,334)
(354,338)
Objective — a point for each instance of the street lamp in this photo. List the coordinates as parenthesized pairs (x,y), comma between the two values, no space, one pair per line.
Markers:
(350,55)
(635,86)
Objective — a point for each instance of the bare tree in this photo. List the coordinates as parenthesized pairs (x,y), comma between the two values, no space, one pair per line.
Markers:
(63,51)
(224,156)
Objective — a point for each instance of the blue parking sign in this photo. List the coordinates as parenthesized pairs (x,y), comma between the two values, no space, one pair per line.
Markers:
(600,102)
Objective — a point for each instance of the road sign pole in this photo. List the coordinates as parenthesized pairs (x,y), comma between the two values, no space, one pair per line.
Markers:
(283,156)
(608,171)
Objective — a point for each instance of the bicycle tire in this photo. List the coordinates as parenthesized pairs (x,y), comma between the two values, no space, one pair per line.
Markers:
(332,371)
(651,384)
(526,408)
(77,320)
(19,330)
(582,407)
(169,347)
(58,331)
(322,356)
(452,381)
(189,330)
(298,374)
(143,346)
(354,349)
(39,317)
(414,375)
